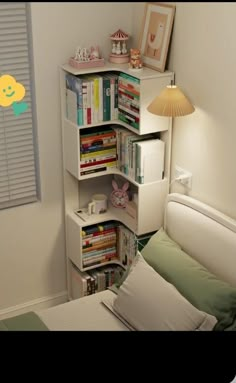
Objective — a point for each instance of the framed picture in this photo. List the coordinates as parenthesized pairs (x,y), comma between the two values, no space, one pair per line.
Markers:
(155,35)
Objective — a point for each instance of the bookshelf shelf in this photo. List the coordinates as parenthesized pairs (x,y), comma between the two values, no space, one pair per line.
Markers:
(146,214)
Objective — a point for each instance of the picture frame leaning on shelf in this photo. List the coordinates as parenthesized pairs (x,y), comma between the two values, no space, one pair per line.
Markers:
(155,35)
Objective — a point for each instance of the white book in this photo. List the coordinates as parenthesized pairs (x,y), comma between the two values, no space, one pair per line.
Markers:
(71,106)
(150,160)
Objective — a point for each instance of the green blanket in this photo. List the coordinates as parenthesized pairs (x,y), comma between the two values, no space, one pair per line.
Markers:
(25,322)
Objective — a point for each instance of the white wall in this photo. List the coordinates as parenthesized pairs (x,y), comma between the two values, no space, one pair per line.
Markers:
(203,57)
(32,242)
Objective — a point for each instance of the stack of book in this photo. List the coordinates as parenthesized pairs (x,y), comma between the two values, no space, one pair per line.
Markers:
(129,99)
(140,157)
(92,98)
(97,150)
(99,244)
(93,281)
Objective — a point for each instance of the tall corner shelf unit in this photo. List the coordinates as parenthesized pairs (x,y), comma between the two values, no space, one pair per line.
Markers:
(78,189)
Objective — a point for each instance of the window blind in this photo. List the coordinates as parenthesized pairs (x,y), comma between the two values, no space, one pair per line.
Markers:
(18,183)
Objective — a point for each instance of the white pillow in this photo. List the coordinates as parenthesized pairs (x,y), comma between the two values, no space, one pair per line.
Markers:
(148,302)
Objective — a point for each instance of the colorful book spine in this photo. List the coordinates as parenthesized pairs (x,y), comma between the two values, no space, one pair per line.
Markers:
(97,138)
(91,171)
(103,259)
(99,153)
(99,233)
(97,161)
(85,101)
(106,98)
(99,228)
(106,237)
(90,132)
(100,251)
(107,165)
(95,148)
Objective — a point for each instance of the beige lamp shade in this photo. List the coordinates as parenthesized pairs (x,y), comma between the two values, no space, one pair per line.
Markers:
(171,103)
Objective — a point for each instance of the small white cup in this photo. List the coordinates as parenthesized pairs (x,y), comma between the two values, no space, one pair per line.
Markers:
(98,204)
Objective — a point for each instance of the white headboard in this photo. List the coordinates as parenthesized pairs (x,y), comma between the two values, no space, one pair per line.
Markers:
(204,233)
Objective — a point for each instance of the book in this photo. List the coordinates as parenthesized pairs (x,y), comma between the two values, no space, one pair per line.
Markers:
(91,171)
(150,160)
(93,240)
(74,99)
(103,245)
(106,98)
(98,233)
(99,228)
(99,153)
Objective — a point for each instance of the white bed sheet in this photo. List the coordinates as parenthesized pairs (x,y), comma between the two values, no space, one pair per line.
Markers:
(84,314)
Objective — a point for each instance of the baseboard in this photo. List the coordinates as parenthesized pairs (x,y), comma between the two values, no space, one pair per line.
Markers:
(35,305)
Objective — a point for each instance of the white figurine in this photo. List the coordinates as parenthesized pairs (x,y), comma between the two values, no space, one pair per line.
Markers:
(82,54)
(113,48)
(124,50)
(118,50)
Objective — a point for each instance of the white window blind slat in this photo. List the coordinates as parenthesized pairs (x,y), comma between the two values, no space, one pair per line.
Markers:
(20,74)
(5,50)
(16,140)
(22,192)
(23,159)
(18,183)
(16,133)
(11,120)
(10,112)
(20,167)
(19,154)
(9,67)
(7,6)
(12,26)
(22,183)
(13,31)
(23,174)
(15,55)
(11,44)
(11,19)
(13,37)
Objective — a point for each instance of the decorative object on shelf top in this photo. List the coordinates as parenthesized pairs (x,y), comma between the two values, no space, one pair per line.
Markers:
(87,58)
(135,62)
(119,53)
(119,196)
(156,34)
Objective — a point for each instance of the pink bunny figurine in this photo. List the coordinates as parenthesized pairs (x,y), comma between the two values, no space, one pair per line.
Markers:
(119,197)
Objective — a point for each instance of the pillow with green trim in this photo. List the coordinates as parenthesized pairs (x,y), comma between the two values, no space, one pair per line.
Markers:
(200,287)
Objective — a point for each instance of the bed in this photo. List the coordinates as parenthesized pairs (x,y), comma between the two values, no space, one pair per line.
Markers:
(193,232)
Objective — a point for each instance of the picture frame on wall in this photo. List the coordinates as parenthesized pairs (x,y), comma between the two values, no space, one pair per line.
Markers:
(155,35)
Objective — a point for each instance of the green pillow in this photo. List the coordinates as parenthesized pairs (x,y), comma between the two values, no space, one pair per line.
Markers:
(192,280)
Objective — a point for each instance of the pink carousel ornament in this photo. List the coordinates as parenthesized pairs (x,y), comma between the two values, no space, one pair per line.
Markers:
(119,53)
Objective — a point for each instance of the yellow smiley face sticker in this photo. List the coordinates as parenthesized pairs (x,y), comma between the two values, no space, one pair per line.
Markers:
(10,90)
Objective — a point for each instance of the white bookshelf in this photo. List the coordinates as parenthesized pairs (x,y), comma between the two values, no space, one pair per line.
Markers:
(78,189)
